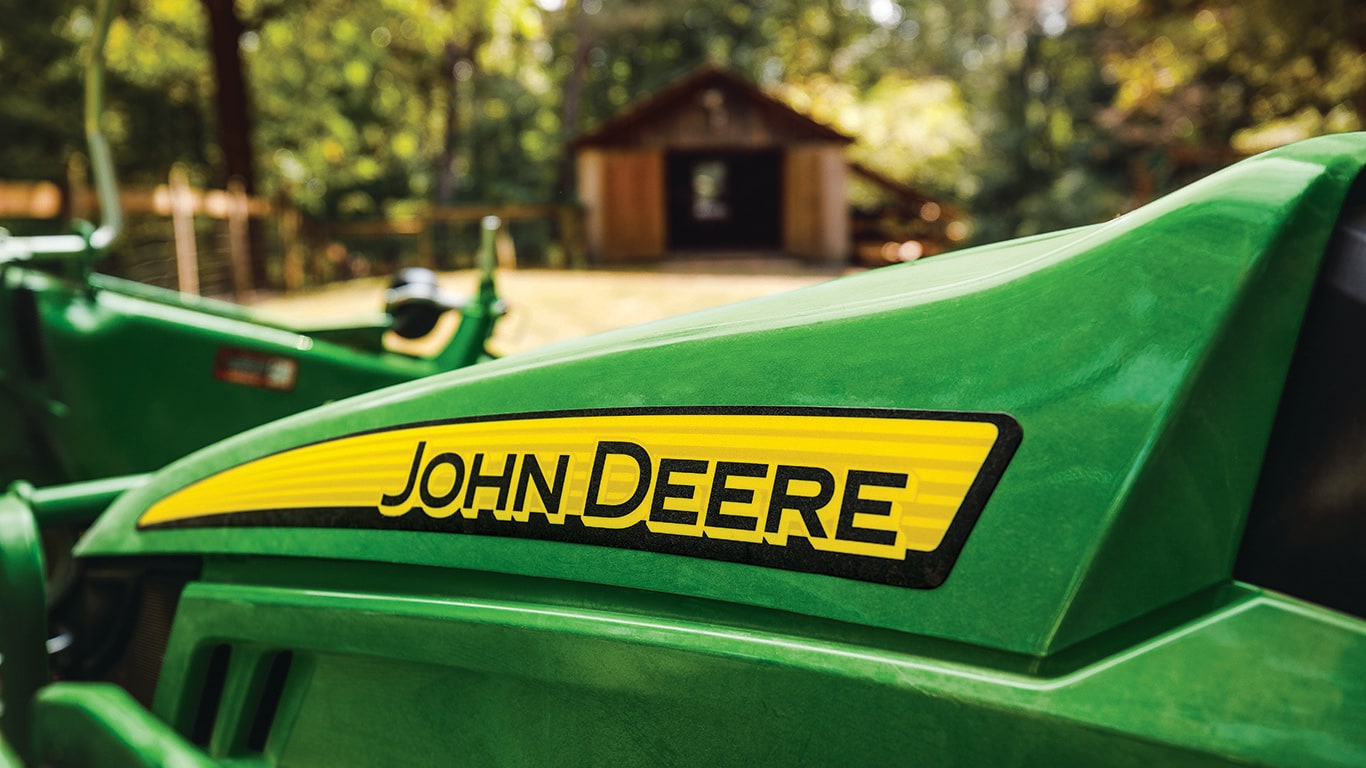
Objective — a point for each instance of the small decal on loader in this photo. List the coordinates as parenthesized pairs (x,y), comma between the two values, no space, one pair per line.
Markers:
(886,496)
(255,369)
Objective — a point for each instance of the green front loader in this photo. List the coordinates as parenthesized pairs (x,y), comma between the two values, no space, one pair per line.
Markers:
(102,377)
(1091,498)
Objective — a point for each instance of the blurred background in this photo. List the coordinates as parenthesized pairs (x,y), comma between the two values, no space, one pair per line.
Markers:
(355,137)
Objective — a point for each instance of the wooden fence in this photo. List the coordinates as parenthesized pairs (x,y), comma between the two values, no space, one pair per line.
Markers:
(422,226)
(175,200)
(299,241)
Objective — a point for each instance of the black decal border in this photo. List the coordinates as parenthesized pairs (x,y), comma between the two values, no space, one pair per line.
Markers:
(919,570)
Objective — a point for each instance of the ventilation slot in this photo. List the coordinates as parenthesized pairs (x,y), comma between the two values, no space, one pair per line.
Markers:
(271,692)
(211,696)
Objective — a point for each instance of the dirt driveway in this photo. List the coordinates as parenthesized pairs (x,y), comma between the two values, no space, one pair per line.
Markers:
(553,305)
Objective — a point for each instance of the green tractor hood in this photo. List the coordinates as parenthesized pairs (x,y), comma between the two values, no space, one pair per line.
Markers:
(1015,447)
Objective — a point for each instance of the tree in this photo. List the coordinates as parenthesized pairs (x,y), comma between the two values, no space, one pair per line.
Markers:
(1036,114)
(1251,74)
(42,97)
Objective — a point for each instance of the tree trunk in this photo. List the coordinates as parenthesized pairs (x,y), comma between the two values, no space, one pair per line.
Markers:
(234,113)
(573,91)
(452,54)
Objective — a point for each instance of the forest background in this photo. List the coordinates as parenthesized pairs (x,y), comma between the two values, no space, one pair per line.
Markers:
(1030,115)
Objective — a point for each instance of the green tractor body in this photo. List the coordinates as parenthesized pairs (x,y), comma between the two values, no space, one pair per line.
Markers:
(102,377)
(1089,498)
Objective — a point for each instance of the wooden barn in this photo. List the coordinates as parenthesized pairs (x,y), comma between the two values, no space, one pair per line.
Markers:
(713,164)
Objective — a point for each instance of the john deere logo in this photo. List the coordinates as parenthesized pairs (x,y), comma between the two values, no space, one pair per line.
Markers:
(833,491)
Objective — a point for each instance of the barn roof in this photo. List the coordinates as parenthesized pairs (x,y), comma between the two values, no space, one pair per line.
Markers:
(623,127)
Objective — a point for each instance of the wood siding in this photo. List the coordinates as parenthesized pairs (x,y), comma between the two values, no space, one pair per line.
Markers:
(816,214)
(622,191)
(707,110)
(718,117)
(631,175)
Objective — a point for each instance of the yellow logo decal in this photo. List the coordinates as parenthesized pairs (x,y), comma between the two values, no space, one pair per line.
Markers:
(837,491)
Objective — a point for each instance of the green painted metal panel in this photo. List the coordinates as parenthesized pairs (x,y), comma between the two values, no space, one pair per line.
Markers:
(437,673)
(1090,617)
(130,378)
(23,658)
(1142,358)
(114,731)
(8,757)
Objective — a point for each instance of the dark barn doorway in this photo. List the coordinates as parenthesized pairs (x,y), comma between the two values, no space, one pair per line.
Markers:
(724,200)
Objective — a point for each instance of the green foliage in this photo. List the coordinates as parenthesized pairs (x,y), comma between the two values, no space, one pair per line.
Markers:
(40,74)
(917,130)
(1253,73)
(1034,115)
(839,61)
